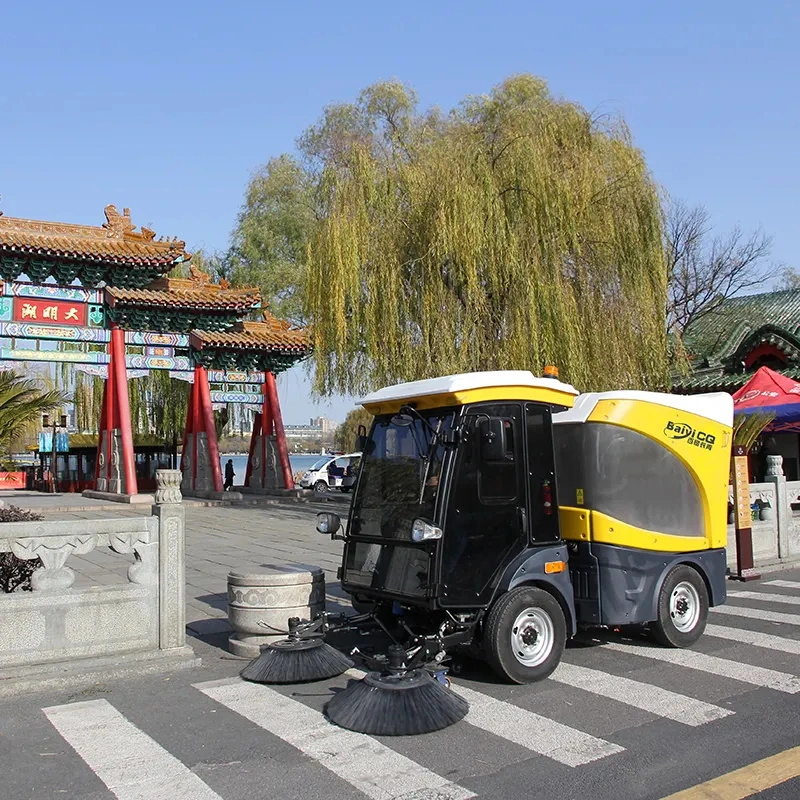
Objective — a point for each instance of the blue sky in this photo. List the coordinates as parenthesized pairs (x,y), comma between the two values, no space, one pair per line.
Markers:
(167,108)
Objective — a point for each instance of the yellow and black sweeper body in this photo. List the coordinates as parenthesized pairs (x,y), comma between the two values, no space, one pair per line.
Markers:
(497,513)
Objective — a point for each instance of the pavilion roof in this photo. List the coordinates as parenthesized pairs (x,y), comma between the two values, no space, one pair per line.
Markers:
(720,341)
(196,293)
(271,335)
(115,243)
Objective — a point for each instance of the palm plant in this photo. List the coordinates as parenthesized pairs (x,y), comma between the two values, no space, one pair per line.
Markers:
(22,402)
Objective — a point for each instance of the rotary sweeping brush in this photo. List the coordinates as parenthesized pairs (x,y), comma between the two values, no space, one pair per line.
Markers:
(301,658)
(397,702)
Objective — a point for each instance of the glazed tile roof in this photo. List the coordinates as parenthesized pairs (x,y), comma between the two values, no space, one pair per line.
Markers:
(115,242)
(720,340)
(271,334)
(197,293)
(718,334)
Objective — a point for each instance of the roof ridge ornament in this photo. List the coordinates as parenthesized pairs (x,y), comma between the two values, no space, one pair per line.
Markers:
(198,277)
(118,224)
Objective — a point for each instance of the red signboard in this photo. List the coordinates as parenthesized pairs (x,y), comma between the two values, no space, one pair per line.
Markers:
(49,312)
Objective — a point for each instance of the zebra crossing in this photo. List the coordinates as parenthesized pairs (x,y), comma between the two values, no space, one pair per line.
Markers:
(133,764)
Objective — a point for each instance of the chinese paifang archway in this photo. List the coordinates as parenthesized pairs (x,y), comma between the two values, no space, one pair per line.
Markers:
(83,286)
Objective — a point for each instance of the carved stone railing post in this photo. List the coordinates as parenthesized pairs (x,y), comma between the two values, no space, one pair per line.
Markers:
(783,512)
(171,567)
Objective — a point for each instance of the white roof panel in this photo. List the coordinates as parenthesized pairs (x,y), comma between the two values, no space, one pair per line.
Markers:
(717,406)
(450,384)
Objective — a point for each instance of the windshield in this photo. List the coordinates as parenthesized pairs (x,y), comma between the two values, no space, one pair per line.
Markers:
(399,475)
(318,465)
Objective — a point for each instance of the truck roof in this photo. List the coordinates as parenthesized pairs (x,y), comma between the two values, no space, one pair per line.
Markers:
(466,387)
(716,406)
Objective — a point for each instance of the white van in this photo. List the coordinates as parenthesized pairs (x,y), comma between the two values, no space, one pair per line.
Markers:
(332,472)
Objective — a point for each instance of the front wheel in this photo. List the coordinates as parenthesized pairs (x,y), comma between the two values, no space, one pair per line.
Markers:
(525,635)
(682,608)
(320,486)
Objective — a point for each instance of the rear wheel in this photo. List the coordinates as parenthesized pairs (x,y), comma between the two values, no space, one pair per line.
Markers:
(525,635)
(320,486)
(682,608)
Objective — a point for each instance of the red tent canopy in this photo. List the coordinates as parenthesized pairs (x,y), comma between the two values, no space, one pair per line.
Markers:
(771,392)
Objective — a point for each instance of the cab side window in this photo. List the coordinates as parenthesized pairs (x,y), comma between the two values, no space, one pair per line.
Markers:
(541,473)
(497,478)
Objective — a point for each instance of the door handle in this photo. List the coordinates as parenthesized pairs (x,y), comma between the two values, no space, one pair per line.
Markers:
(523,519)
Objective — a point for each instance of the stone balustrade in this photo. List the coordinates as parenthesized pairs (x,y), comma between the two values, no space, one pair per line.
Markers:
(776,526)
(57,622)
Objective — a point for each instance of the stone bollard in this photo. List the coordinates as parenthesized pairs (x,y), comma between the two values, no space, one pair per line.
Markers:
(271,597)
(170,512)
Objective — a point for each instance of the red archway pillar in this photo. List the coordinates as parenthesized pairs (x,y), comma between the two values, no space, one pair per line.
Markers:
(115,470)
(200,454)
(271,390)
(268,465)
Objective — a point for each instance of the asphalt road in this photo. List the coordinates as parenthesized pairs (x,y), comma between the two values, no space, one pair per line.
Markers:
(619,720)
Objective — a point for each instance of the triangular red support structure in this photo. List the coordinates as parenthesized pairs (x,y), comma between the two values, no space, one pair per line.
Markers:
(115,469)
(268,465)
(200,453)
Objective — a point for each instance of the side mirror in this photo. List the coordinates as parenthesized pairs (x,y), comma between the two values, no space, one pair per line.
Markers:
(493,439)
(328,522)
(361,439)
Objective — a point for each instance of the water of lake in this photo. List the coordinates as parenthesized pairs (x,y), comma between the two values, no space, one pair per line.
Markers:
(299,462)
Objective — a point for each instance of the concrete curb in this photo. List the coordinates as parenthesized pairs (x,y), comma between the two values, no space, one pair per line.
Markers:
(82,673)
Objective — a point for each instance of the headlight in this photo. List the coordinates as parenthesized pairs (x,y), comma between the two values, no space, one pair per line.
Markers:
(422,531)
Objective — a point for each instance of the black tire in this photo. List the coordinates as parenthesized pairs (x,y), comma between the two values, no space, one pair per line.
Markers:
(345,489)
(320,486)
(682,608)
(547,626)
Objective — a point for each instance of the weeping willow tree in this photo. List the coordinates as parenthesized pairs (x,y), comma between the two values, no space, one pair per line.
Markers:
(513,232)
(158,402)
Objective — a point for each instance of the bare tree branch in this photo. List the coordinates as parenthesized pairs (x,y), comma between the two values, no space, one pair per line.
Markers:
(704,272)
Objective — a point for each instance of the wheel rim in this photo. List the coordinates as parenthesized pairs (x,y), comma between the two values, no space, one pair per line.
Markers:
(321,486)
(684,607)
(532,637)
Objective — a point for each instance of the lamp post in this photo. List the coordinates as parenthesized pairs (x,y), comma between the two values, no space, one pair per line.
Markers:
(46,426)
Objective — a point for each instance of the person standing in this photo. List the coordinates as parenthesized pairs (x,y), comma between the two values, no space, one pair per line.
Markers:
(229,475)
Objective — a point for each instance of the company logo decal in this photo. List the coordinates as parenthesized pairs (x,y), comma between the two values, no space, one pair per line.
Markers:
(684,431)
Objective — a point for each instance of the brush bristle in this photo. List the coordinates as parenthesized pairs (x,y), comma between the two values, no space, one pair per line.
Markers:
(296,666)
(366,707)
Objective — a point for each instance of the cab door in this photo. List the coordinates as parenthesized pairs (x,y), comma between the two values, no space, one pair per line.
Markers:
(486,520)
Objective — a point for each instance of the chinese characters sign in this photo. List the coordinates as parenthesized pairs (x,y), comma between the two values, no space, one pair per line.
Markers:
(741,488)
(54,312)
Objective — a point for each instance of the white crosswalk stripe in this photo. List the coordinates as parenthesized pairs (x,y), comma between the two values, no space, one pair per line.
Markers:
(765,640)
(746,673)
(645,696)
(767,597)
(757,613)
(537,733)
(783,584)
(129,762)
(371,767)
(529,730)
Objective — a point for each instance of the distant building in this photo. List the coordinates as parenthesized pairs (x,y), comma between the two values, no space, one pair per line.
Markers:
(320,428)
(324,423)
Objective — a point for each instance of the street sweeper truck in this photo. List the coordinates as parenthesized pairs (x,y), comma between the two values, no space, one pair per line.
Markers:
(498,513)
